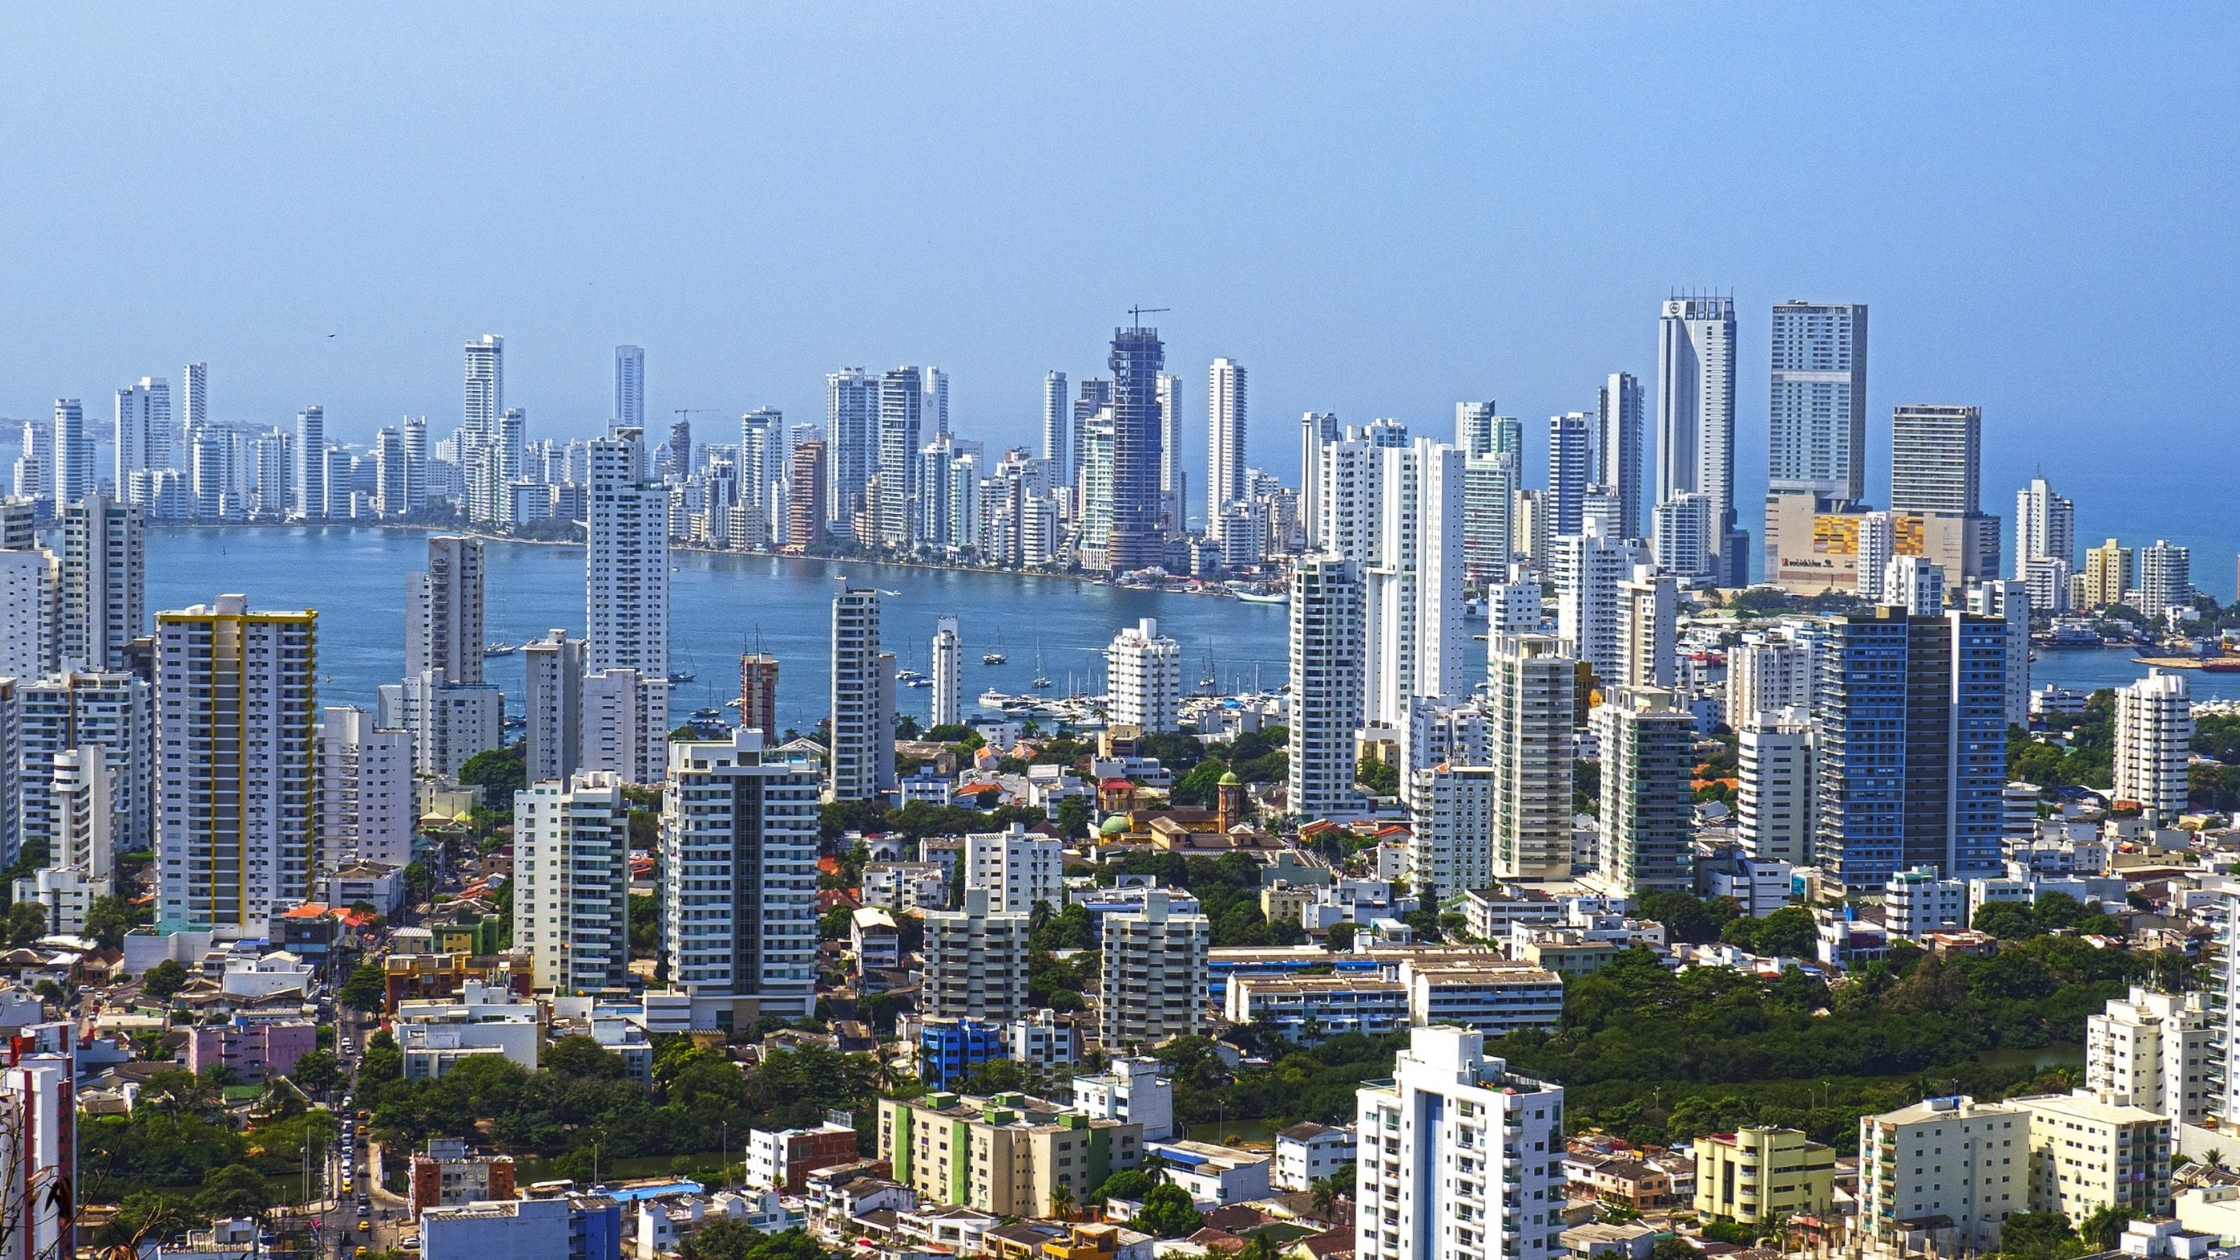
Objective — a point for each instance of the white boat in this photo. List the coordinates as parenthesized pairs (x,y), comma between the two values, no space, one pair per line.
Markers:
(1264,597)
(499,647)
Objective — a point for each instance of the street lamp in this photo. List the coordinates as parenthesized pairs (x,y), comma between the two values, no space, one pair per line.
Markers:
(723,1172)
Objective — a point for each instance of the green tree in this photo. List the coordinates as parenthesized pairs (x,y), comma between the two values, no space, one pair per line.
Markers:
(580,1056)
(2037,1235)
(1789,932)
(1074,814)
(1339,936)
(499,772)
(235,1190)
(2007,920)
(2104,1228)
(108,919)
(317,1071)
(1168,1212)
(1673,1249)
(164,979)
(367,989)
(721,1240)
(27,922)
(1128,1183)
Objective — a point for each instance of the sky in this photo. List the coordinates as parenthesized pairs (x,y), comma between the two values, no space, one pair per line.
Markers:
(1378,209)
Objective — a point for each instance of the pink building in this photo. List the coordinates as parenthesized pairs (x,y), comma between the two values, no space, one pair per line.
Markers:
(257,1051)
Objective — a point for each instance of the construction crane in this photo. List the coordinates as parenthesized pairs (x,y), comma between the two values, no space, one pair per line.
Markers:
(1136,313)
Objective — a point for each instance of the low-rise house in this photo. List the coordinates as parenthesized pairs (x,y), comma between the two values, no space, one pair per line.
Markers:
(1308,1152)
(1215,1175)
(258,1050)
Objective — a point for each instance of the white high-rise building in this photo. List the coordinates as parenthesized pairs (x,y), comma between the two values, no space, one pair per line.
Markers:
(1174,478)
(39,1150)
(1914,583)
(1686,540)
(1818,417)
(1617,448)
(194,400)
(1155,977)
(1316,430)
(862,697)
(1488,509)
(82,865)
(102,583)
(626,567)
(1397,509)
(2010,602)
(1588,569)
(1775,803)
(11,768)
(73,453)
(629,387)
(67,711)
(449,722)
(311,464)
(2153,1048)
(30,586)
(975,961)
(571,882)
(1936,459)
(443,616)
(1225,435)
(1878,543)
(1695,413)
(1018,868)
(552,704)
(948,672)
(1648,629)
(1530,697)
(852,428)
(739,880)
(1458,1128)
(624,729)
(1057,419)
(1949,1157)
(1143,670)
(2045,527)
(238,780)
(2165,577)
(2153,743)
(485,406)
(143,433)
(365,791)
(1451,844)
(1648,812)
(1326,677)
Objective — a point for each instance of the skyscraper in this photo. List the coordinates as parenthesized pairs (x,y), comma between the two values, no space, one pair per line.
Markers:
(629,387)
(2153,744)
(2045,527)
(1936,459)
(1818,418)
(571,882)
(1695,414)
(1155,974)
(626,562)
(485,405)
(758,693)
(1326,679)
(143,433)
(1174,480)
(976,960)
(415,465)
(73,453)
(948,672)
(806,509)
(103,581)
(1488,506)
(1134,540)
(1647,813)
(1225,438)
(2165,577)
(1910,748)
(680,447)
(852,430)
(1617,448)
(1570,458)
(1588,569)
(194,399)
(444,611)
(739,880)
(237,784)
(1057,421)
(1532,680)
(1473,427)
(311,464)
(1316,428)
(63,711)
(1144,673)
(862,697)
(552,703)
(364,804)
(901,412)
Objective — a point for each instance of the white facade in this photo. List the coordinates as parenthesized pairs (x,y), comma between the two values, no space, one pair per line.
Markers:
(29,587)
(1018,868)
(1916,903)
(39,1153)
(2153,743)
(1768,671)
(1818,418)
(1326,678)
(1647,813)
(98,604)
(449,722)
(626,567)
(552,704)
(1588,569)
(365,806)
(2153,1048)
(114,712)
(2165,577)
(1225,439)
(975,962)
(1915,583)
(624,725)
(1144,675)
(1308,1152)
(1686,542)
(1155,978)
(571,882)
(2009,601)
(1775,797)
(862,697)
(1695,407)
(1451,845)
(2045,527)
(948,673)
(1936,455)
(236,841)
(1459,1158)
(443,614)
(1952,1157)
(739,877)
(1532,684)
(1648,611)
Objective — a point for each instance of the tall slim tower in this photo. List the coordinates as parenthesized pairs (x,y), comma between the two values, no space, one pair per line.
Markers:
(103,583)
(1818,418)
(901,413)
(629,387)
(1225,438)
(1326,676)
(1174,480)
(552,701)
(948,672)
(1530,687)
(1134,541)
(143,433)
(237,787)
(415,465)
(311,464)
(1695,411)
(2045,527)
(862,697)
(1057,419)
(194,401)
(73,453)
(1570,459)
(479,425)
(1316,430)
(1617,448)
(443,611)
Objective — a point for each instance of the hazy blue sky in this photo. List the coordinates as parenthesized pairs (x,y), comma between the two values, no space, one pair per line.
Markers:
(1379,209)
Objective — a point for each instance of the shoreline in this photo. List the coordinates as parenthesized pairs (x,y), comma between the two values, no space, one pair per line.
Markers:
(1215,592)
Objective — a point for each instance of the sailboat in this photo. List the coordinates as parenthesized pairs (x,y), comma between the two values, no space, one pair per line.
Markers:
(996,657)
(1041,679)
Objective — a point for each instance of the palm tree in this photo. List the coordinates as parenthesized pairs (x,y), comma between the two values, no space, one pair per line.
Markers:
(2214,1156)
(1061,1202)
(1325,1195)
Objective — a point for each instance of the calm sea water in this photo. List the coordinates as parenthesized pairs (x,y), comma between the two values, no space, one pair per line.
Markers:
(355,578)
